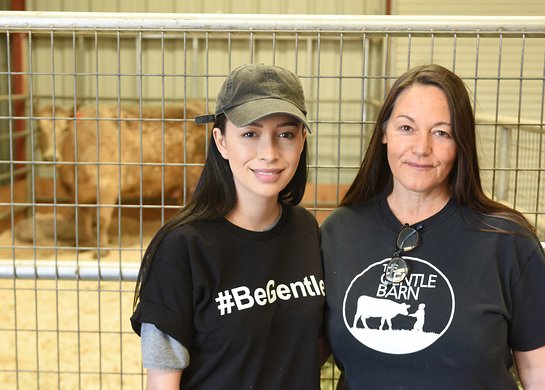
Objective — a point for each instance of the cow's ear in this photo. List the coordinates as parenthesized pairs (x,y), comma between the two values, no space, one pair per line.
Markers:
(78,105)
(35,105)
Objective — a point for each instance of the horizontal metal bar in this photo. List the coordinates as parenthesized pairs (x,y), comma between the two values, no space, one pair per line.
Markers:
(72,270)
(510,123)
(268,22)
(68,270)
(14,210)
(13,97)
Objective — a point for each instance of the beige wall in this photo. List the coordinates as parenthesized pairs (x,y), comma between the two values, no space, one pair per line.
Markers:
(370,7)
(214,6)
(468,7)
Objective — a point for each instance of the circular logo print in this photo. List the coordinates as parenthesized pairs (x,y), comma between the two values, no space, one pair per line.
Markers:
(399,318)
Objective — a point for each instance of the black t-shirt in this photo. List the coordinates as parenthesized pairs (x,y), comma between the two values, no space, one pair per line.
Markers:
(471,297)
(247,305)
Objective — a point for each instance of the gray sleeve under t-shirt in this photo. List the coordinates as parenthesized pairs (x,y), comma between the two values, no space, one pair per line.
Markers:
(160,351)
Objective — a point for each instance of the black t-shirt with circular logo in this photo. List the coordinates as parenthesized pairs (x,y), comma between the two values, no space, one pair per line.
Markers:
(469,298)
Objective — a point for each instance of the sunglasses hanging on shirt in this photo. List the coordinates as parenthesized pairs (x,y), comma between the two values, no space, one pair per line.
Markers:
(397,268)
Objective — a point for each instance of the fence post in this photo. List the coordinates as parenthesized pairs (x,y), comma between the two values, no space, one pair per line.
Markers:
(503,164)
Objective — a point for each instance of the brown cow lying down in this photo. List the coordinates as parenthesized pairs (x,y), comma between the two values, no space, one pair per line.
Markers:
(102,158)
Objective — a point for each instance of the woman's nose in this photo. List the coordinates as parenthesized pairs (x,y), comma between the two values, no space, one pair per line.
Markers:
(422,144)
(268,149)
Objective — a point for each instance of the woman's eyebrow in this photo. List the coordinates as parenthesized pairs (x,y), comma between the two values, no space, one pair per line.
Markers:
(408,117)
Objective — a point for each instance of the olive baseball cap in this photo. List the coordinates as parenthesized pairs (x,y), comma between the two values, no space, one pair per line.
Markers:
(253,91)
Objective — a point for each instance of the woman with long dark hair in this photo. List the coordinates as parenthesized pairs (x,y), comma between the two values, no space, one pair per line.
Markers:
(430,283)
(230,290)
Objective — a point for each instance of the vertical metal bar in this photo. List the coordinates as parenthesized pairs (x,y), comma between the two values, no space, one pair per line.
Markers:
(364,97)
(409,44)
(163,151)
(195,63)
(184,124)
(138,61)
(432,48)
(252,47)
(12,206)
(98,199)
(55,140)
(309,71)
(75,205)
(454,48)
(386,70)
(76,234)
(207,74)
(339,120)
(497,173)
(97,142)
(504,163)
(140,76)
(185,87)
(274,48)
(80,69)
(120,123)
(229,56)
(476,84)
(33,168)
(31,187)
(32,195)
(540,213)
(318,119)
(519,109)
(31,123)
(296,55)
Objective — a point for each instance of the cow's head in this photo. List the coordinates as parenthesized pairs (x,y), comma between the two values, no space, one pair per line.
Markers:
(52,126)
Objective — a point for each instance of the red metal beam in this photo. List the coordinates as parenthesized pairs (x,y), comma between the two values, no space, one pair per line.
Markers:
(18,83)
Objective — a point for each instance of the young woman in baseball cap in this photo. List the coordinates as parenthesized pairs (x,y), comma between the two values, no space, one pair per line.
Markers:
(230,290)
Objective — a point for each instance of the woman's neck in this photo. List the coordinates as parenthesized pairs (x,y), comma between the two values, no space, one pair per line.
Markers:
(412,208)
(255,217)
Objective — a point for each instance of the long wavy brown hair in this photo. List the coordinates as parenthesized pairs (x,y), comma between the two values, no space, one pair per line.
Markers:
(375,176)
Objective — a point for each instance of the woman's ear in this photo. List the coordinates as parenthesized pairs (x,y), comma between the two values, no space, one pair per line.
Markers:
(384,134)
(219,139)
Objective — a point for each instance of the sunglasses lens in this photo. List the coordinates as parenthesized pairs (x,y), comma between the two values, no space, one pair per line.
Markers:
(407,239)
(397,270)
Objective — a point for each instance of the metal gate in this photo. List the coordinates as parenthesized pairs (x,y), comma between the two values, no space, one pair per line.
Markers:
(67,302)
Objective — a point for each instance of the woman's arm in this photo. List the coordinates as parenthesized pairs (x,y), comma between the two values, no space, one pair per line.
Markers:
(531,368)
(163,380)
(164,358)
(324,349)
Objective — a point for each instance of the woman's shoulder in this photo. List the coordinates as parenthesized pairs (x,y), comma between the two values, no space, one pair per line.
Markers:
(501,226)
(178,243)
(185,230)
(185,234)
(505,222)
(299,211)
(299,217)
(352,212)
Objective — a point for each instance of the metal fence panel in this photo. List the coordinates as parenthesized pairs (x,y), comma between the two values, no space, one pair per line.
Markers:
(65,321)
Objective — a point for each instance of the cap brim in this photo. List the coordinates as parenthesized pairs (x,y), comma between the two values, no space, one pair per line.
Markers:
(249,112)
